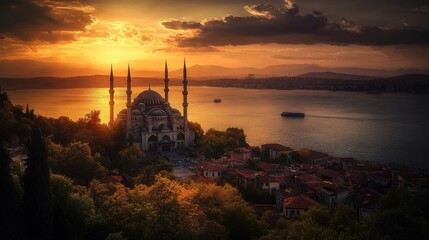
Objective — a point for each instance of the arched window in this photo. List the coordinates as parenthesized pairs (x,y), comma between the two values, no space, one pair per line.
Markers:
(153,143)
(166,138)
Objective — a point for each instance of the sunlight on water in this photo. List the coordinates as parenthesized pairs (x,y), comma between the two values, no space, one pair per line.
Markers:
(387,127)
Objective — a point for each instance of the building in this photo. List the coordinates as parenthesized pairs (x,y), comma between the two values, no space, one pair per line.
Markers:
(294,207)
(151,123)
(275,150)
(210,170)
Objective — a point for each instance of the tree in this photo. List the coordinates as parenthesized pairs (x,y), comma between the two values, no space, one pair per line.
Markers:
(401,213)
(93,118)
(129,157)
(75,161)
(197,129)
(224,205)
(9,199)
(37,196)
(73,209)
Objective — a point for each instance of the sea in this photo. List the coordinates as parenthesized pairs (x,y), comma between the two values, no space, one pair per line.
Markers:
(391,128)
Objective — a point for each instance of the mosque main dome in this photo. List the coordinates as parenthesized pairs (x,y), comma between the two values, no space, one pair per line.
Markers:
(149,97)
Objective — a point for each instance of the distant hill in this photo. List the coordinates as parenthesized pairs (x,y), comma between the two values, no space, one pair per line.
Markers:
(204,72)
(333,75)
(413,83)
(95,81)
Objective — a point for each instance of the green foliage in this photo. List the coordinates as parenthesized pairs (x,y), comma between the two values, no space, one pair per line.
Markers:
(73,207)
(401,213)
(215,143)
(197,129)
(225,206)
(153,167)
(75,161)
(129,157)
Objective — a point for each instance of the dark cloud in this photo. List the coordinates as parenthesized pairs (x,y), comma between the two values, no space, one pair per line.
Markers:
(270,24)
(50,21)
(179,25)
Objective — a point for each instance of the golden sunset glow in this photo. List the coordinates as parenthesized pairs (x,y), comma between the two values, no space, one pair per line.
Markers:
(84,37)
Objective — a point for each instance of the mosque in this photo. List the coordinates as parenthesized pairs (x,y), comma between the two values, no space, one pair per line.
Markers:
(152,124)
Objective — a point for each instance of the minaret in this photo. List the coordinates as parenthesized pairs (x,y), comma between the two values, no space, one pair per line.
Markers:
(129,92)
(166,90)
(112,102)
(185,96)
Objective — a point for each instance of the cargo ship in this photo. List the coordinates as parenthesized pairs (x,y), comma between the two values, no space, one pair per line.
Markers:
(217,100)
(293,114)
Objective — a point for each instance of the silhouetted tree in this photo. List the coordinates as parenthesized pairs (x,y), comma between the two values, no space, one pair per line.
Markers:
(36,189)
(9,199)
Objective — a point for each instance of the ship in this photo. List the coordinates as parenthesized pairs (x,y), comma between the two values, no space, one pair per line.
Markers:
(293,114)
(217,100)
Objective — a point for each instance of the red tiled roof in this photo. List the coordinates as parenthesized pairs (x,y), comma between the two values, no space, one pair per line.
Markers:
(307,178)
(269,167)
(211,167)
(277,147)
(301,202)
(248,173)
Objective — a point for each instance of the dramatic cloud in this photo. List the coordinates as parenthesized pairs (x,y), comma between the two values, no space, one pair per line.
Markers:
(179,25)
(270,24)
(43,20)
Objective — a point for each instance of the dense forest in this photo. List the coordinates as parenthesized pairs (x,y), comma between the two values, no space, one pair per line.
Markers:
(59,193)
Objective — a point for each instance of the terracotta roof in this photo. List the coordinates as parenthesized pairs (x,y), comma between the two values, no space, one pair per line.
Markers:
(277,147)
(248,173)
(301,202)
(269,167)
(307,178)
(211,167)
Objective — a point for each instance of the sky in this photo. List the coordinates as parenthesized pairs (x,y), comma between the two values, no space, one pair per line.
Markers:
(83,37)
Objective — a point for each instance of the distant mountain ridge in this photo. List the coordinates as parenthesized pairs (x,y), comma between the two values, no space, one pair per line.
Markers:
(313,80)
(333,75)
(203,72)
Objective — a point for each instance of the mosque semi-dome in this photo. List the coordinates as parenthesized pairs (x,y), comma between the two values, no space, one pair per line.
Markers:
(150,97)
(157,112)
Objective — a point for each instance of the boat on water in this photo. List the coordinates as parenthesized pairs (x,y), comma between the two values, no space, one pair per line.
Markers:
(217,100)
(293,114)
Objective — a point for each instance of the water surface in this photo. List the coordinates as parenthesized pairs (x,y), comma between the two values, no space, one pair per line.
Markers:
(387,127)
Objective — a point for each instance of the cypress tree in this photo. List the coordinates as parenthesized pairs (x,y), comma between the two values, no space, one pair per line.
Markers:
(36,189)
(9,200)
